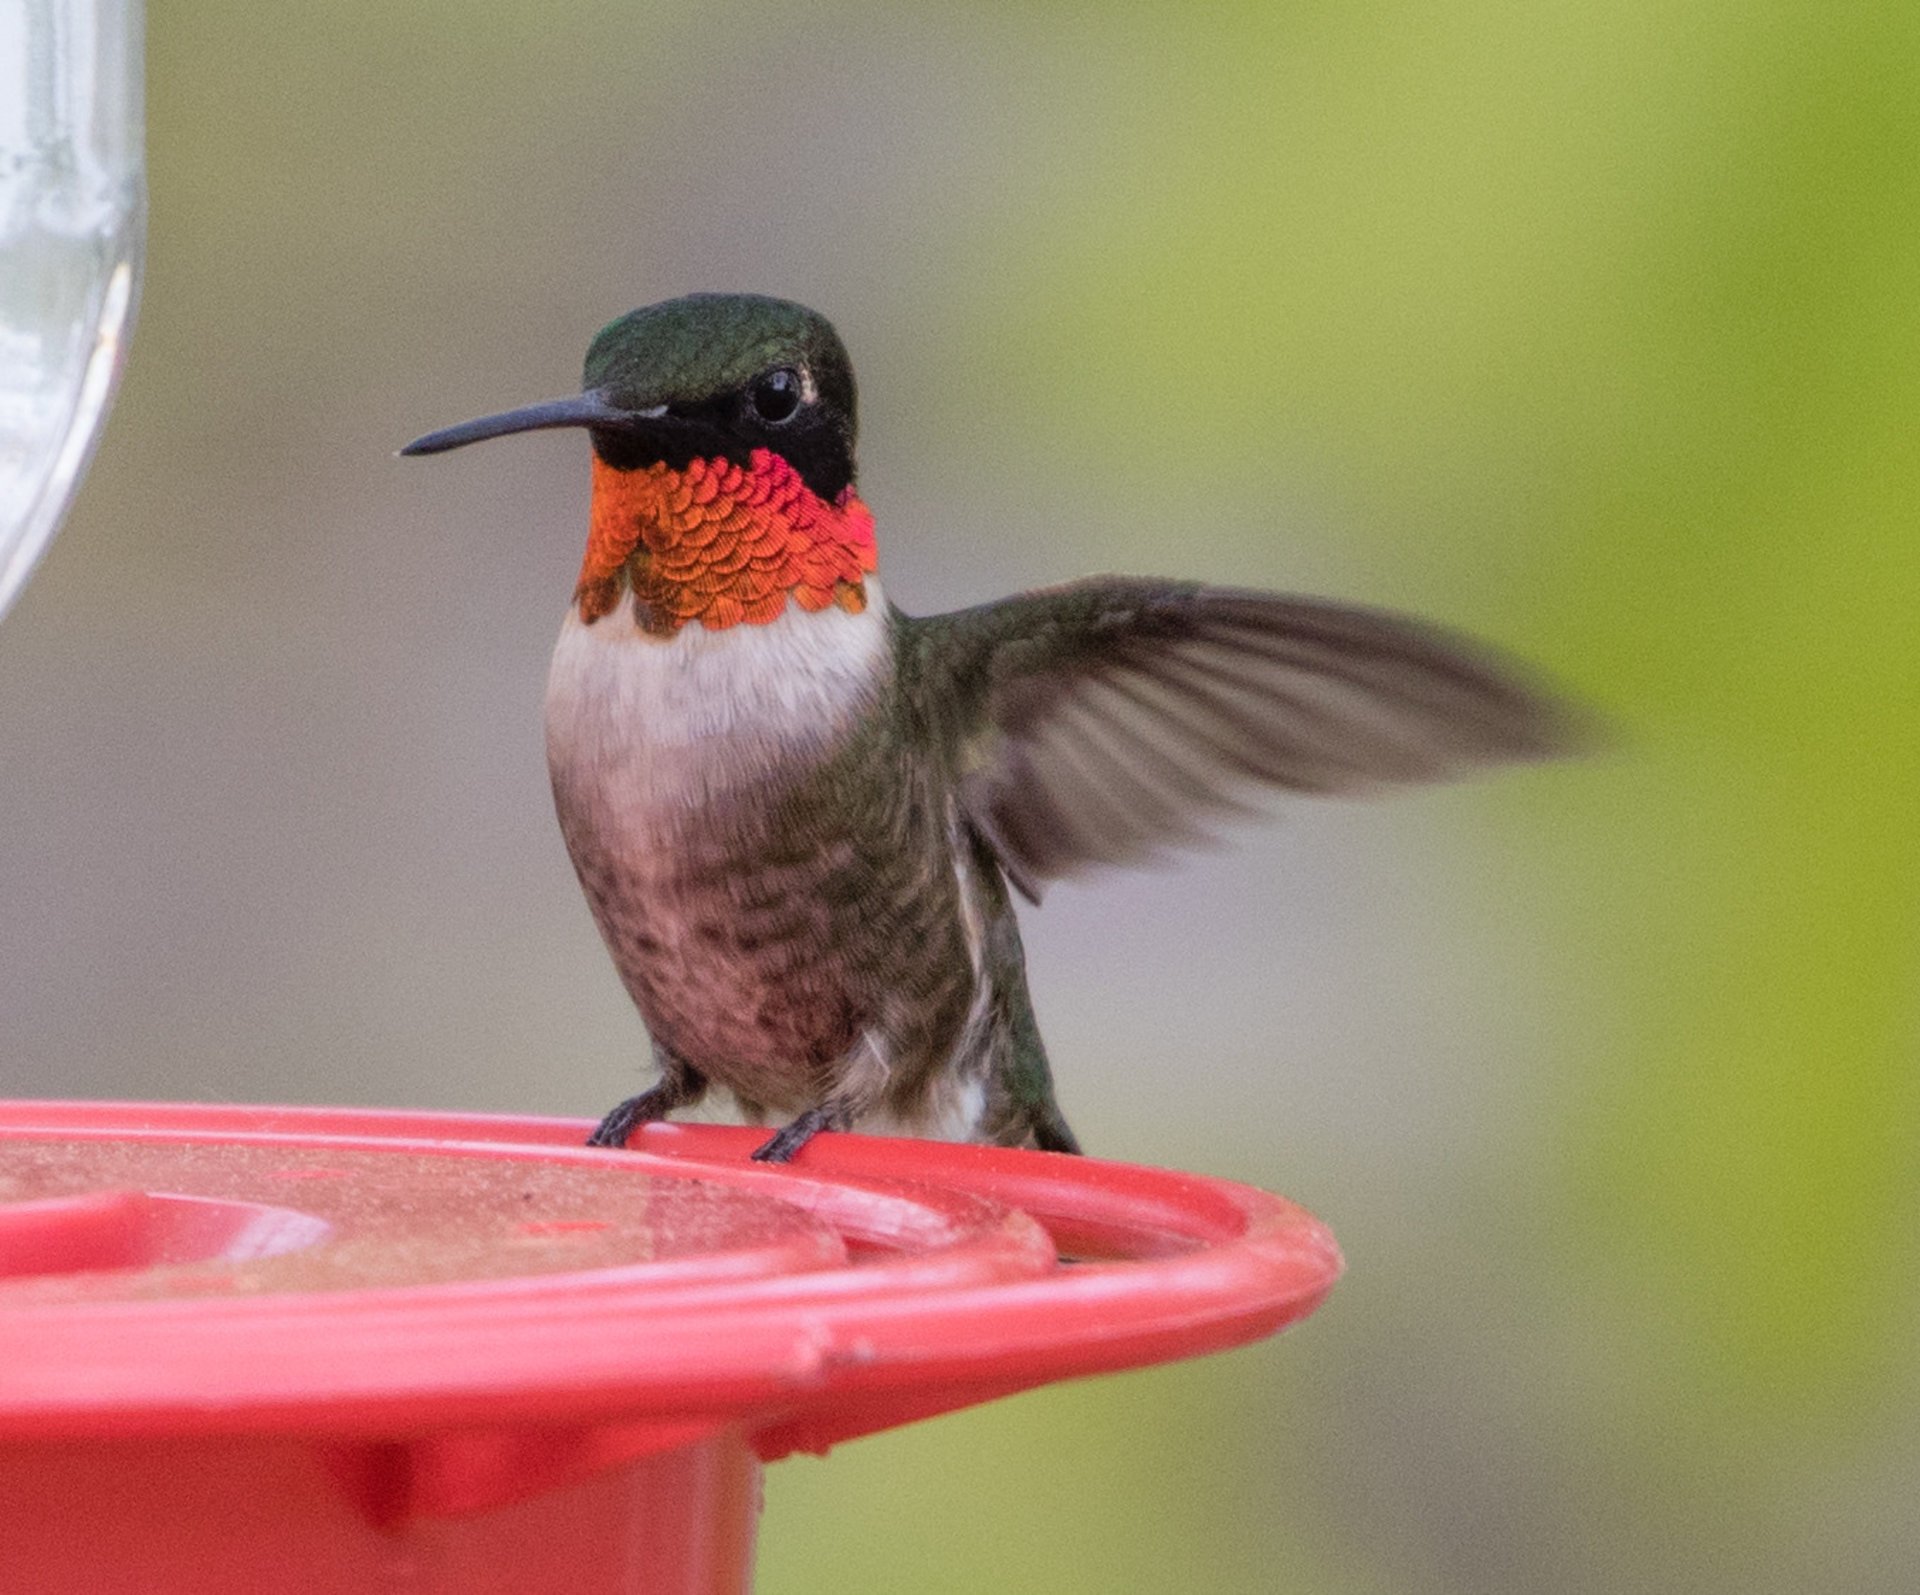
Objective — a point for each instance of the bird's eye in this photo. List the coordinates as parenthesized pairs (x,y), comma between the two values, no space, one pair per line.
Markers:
(776,396)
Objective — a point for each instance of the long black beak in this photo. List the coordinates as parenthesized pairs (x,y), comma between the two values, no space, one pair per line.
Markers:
(583,409)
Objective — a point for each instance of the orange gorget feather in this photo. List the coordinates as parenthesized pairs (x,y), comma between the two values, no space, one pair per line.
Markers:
(721,544)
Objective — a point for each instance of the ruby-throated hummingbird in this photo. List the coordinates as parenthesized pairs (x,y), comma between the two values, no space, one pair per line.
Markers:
(797,812)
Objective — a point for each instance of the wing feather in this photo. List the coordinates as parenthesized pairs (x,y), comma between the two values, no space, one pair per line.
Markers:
(1107,721)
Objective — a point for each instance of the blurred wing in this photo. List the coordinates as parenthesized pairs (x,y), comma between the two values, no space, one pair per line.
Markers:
(1105,721)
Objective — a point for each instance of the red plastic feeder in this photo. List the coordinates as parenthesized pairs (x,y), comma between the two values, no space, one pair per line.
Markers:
(252,1349)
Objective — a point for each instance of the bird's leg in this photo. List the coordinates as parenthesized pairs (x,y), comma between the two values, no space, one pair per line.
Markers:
(680,1086)
(862,1082)
(782,1146)
(654,1103)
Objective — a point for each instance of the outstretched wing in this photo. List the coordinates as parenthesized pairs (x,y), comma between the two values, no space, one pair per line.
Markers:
(1106,720)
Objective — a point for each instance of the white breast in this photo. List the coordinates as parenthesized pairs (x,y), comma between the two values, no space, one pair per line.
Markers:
(656,726)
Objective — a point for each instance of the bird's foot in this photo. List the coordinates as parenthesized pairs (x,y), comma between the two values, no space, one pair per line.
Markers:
(782,1146)
(613,1130)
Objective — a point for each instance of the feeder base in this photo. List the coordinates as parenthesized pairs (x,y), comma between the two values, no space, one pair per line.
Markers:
(242,1516)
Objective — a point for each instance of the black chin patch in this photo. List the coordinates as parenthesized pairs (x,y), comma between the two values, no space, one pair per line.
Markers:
(635,451)
(816,446)
(821,455)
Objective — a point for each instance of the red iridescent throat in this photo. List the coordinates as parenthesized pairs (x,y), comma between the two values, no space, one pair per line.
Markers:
(721,544)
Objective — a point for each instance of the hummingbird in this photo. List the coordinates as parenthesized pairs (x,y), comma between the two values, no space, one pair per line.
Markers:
(800,816)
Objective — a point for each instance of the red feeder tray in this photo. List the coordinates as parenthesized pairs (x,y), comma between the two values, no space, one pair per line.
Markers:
(290,1349)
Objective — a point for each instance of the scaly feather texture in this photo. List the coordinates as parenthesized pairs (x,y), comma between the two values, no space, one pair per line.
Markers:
(720,543)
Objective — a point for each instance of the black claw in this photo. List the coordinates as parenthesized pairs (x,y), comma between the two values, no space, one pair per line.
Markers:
(613,1130)
(781,1147)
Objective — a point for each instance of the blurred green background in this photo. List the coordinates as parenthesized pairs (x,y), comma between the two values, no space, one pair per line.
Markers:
(1592,327)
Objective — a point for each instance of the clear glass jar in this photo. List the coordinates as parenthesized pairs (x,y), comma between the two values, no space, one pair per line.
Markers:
(72,222)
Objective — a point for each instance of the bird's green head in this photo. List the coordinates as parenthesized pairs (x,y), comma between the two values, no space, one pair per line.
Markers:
(723,437)
(736,372)
(712,376)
